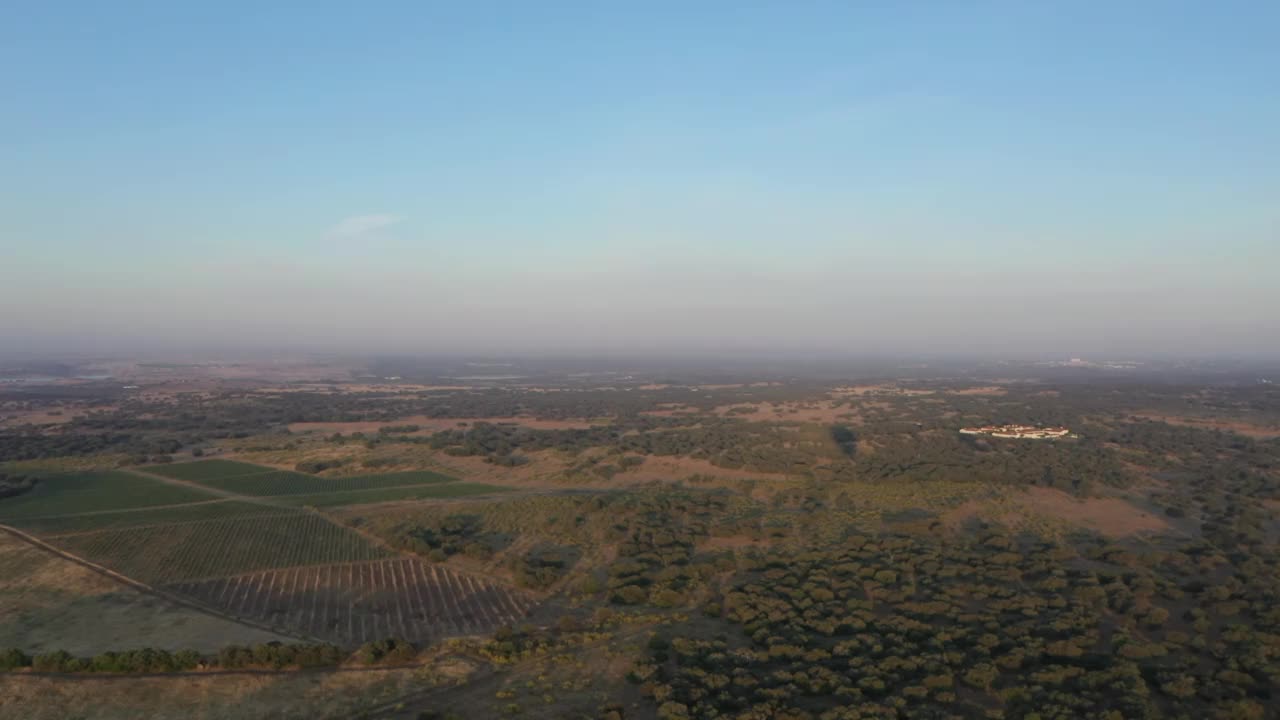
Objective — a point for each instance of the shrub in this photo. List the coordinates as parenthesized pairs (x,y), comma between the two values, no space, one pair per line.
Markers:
(13,658)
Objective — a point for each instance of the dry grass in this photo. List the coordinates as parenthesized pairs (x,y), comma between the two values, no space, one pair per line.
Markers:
(1114,517)
(1040,507)
(315,696)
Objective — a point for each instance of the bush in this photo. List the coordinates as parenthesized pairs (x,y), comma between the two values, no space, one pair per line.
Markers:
(13,658)
(11,485)
(391,650)
(57,661)
(313,467)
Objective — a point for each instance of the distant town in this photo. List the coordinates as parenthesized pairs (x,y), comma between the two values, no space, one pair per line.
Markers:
(1021,432)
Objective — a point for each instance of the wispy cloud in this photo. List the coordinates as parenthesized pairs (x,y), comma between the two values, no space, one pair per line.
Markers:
(359,225)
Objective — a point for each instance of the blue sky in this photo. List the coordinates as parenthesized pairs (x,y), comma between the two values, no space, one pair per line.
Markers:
(599,176)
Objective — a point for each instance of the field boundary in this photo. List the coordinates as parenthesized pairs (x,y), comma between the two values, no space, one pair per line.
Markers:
(364,490)
(149,589)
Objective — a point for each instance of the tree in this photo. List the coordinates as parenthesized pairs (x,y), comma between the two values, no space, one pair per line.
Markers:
(981,675)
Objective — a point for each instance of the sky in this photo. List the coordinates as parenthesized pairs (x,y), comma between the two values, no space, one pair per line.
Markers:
(1059,178)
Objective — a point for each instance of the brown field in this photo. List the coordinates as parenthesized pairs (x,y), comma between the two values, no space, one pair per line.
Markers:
(987,390)
(50,603)
(353,603)
(881,389)
(1261,432)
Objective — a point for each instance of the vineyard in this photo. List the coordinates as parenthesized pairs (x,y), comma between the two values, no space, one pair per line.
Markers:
(85,492)
(357,602)
(260,559)
(142,517)
(213,548)
(260,481)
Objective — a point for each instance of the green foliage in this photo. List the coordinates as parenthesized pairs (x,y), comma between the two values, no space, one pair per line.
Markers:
(891,624)
(457,533)
(277,655)
(14,659)
(319,466)
(83,492)
(543,565)
(390,651)
(57,661)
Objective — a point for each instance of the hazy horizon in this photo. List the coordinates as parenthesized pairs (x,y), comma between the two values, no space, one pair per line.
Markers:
(1078,179)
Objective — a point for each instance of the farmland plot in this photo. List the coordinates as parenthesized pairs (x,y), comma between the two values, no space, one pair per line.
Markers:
(213,548)
(141,517)
(85,492)
(260,481)
(356,602)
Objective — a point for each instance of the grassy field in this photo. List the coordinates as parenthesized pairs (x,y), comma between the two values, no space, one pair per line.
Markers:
(377,495)
(260,481)
(160,554)
(84,492)
(211,510)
